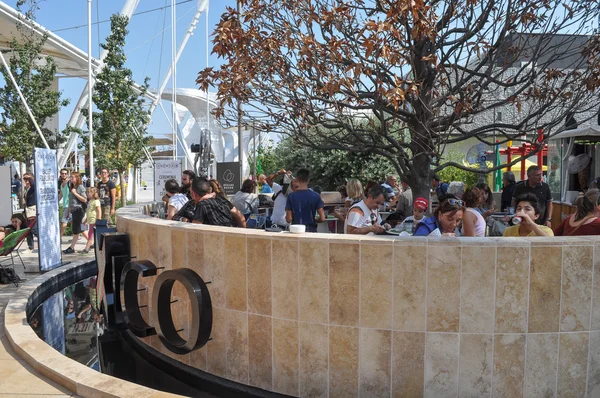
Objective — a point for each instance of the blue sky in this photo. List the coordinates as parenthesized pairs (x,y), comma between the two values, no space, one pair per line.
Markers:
(143,51)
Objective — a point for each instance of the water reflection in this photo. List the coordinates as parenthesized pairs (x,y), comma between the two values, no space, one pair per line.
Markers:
(70,322)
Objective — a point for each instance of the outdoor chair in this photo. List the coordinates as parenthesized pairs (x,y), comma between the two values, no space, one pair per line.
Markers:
(9,248)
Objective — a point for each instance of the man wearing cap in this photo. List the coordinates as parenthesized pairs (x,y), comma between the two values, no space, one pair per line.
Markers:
(420,206)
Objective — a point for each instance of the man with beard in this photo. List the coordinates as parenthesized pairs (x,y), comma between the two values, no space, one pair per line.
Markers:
(186,183)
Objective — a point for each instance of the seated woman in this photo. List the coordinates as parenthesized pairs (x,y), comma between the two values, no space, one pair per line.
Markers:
(488,206)
(176,200)
(245,200)
(473,221)
(17,222)
(585,221)
(446,217)
(528,209)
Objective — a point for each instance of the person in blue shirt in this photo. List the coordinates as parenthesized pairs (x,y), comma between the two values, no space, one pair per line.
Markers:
(445,219)
(304,203)
(440,187)
(263,184)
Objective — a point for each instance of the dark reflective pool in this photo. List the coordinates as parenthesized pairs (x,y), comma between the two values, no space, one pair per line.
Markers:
(71,323)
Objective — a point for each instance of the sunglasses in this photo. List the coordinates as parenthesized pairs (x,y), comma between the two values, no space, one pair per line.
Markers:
(455,202)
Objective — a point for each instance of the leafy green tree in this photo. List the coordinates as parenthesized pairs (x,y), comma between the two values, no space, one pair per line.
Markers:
(34,74)
(121,119)
(452,173)
(329,169)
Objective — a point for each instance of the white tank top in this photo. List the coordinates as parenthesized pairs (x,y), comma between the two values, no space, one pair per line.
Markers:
(480,224)
(360,222)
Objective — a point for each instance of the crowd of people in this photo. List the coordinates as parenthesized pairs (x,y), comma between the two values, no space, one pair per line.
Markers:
(452,209)
(80,206)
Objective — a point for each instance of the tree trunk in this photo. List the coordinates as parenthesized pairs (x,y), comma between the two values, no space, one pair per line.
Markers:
(420,179)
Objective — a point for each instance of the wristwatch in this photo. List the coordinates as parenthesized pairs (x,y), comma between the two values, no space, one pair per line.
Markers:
(549,219)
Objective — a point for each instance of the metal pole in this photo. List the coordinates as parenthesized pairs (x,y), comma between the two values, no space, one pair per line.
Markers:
(174,75)
(14,82)
(89,87)
(239,109)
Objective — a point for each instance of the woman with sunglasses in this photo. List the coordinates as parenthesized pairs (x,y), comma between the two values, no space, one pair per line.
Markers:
(528,210)
(446,218)
(585,220)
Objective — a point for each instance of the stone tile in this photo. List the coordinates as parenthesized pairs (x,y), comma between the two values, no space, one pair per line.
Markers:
(314,348)
(572,364)
(441,365)
(180,309)
(540,372)
(153,250)
(512,283)
(260,350)
(593,387)
(235,273)
(343,362)
(285,357)
(376,285)
(443,288)
(596,289)
(509,362)
(314,281)
(178,248)
(259,276)
(27,381)
(164,247)
(375,362)
(237,346)
(214,267)
(343,284)
(476,289)
(198,358)
(409,287)
(544,290)
(8,367)
(576,288)
(195,252)
(216,349)
(475,376)
(408,368)
(285,278)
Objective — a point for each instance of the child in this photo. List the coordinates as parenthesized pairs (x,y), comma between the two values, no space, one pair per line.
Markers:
(92,214)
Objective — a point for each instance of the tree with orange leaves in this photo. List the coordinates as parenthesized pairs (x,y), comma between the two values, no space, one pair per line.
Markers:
(404,79)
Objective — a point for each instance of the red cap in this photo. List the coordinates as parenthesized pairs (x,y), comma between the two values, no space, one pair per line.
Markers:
(421,203)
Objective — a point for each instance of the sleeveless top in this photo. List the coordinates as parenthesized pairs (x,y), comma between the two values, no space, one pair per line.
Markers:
(356,220)
(480,224)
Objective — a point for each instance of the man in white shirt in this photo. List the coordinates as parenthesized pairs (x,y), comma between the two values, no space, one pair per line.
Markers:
(363,218)
(280,193)
(391,187)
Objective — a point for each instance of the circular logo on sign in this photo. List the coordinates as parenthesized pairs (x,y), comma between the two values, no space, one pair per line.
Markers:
(228,176)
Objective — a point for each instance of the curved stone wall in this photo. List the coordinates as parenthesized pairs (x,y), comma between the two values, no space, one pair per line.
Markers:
(328,314)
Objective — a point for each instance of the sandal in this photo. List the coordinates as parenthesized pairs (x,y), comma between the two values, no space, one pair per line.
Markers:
(68,251)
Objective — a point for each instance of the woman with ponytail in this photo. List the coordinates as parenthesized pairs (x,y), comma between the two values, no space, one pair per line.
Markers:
(585,221)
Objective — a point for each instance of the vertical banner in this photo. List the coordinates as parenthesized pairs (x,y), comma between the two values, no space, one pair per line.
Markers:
(165,170)
(46,192)
(228,175)
(6,199)
(81,164)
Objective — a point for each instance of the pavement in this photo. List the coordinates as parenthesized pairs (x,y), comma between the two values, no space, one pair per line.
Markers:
(17,378)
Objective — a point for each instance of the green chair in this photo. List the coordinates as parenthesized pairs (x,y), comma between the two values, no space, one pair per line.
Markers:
(10,243)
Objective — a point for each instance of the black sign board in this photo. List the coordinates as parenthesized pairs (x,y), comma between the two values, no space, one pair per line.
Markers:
(228,175)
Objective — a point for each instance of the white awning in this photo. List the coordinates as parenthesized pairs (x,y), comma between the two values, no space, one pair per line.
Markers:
(70,60)
(580,133)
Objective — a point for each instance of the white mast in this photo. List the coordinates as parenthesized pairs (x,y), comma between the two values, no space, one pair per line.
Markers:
(89,94)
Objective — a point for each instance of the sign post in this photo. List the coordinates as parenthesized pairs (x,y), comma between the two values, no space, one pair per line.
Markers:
(46,193)
(165,170)
(228,175)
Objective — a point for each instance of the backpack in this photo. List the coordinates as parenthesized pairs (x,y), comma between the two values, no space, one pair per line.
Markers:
(8,275)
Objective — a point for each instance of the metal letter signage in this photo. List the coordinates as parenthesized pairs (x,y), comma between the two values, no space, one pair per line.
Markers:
(201,306)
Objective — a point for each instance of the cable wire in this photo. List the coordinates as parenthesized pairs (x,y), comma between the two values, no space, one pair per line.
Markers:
(108,20)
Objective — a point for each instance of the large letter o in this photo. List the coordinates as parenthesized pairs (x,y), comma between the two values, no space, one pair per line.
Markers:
(201,306)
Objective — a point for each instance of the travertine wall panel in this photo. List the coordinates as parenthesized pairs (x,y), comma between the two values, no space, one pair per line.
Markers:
(317,315)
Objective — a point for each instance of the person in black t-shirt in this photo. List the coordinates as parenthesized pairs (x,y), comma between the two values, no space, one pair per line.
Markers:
(107,192)
(214,210)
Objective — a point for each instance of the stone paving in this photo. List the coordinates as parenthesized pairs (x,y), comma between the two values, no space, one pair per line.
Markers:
(17,378)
